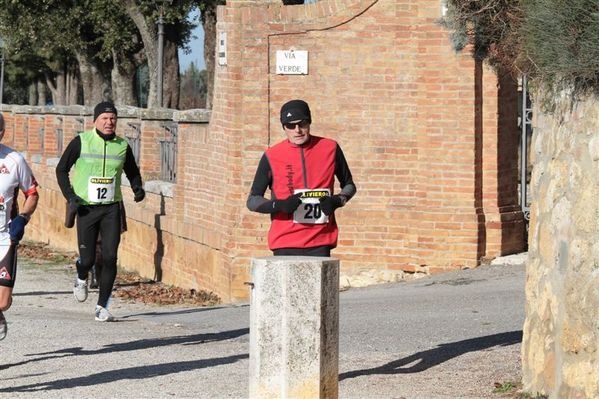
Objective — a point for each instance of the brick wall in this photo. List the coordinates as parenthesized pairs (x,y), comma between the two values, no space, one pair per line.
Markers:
(430,136)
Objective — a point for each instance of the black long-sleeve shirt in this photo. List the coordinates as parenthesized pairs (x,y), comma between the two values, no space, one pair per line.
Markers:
(72,153)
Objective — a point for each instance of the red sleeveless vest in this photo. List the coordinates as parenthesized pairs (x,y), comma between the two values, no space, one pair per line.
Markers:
(293,167)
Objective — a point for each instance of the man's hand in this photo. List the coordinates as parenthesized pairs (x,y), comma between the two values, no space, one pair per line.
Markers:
(74,203)
(328,204)
(17,228)
(288,205)
(139,194)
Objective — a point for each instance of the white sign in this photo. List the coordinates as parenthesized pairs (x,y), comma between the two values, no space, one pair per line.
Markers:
(292,62)
(222,48)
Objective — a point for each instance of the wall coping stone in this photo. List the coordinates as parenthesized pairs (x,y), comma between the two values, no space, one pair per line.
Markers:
(155,113)
(79,110)
(192,115)
(160,187)
(199,115)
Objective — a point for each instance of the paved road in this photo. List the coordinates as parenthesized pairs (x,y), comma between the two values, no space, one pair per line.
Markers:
(447,336)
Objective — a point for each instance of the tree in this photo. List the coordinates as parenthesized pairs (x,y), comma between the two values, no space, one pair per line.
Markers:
(29,29)
(145,14)
(94,44)
(552,41)
(121,47)
(193,88)
(208,19)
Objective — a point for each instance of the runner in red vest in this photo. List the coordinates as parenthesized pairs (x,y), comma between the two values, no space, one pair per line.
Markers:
(15,174)
(300,172)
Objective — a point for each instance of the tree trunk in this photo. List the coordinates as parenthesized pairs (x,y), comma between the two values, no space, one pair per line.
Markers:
(61,88)
(95,87)
(33,93)
(57,87)
(41,93)
(208,19)
(123,80)
(171,78)
(72,86)
(148,34)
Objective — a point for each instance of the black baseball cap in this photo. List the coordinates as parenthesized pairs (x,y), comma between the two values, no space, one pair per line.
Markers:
(295,110)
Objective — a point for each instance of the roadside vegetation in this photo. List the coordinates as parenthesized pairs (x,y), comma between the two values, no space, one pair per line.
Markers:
(554,43)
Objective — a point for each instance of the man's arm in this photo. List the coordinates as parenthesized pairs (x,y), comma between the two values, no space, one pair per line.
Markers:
(30,204)
(28,185)
(67,160)
(328,204)
(262,180)
(132,172)
(348,188)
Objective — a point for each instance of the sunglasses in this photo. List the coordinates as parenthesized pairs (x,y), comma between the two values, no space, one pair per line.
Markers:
(292,126)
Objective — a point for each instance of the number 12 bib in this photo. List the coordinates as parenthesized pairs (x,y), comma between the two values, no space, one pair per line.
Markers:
(101,189)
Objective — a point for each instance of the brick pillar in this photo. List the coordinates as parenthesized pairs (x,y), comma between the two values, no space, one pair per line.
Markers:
(503,218)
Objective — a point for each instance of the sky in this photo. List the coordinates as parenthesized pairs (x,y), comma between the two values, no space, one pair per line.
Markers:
(196,45)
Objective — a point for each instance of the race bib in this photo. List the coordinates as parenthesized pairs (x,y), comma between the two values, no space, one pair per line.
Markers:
(100,189)
(309,211)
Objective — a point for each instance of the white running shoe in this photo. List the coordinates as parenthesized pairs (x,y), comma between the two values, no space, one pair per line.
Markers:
(102,314)
(3,326)
(80,290)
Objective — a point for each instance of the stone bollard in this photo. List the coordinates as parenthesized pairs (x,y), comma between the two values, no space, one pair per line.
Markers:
(294,327)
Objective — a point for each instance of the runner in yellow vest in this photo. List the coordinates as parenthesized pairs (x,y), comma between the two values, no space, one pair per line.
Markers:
(99,157)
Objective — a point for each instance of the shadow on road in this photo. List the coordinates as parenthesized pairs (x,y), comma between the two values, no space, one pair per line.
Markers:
(131,373)
(134,345)
(37,293)
(433,357)
(179,312)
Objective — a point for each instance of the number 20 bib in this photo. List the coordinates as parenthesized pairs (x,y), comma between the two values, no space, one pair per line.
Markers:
(309,211)
(101,189)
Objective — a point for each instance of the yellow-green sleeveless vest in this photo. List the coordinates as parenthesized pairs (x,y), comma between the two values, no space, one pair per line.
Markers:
(99,158)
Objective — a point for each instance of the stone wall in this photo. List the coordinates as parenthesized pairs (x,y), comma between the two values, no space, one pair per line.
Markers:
(561,335)
(431,137)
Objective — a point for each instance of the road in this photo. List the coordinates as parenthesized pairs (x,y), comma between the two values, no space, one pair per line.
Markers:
(451,335)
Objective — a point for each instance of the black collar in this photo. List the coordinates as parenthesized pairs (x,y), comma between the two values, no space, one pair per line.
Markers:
(104,136)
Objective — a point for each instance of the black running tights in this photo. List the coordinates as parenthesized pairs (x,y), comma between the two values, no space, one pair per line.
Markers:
(106,220)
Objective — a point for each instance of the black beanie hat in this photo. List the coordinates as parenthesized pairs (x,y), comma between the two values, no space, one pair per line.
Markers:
(103,107)
(295,110)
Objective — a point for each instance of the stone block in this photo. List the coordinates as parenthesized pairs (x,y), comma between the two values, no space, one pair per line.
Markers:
(294,327)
